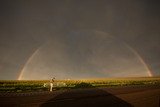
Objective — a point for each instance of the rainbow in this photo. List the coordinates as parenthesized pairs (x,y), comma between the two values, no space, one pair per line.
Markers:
(128,46)
(29,59)
(140,59)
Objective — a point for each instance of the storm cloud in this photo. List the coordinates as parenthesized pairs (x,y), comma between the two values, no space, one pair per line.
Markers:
(27,25)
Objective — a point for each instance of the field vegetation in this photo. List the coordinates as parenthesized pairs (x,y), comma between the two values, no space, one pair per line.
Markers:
(43,85)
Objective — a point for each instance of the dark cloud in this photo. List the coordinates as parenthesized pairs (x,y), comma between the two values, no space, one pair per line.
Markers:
(26,25)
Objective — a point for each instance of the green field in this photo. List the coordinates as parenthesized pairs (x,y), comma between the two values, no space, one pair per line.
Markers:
(43,85)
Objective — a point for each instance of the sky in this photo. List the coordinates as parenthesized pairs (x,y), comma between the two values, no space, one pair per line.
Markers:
(79,38)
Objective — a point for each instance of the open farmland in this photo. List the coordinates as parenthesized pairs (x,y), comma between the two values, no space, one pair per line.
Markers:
(43,85)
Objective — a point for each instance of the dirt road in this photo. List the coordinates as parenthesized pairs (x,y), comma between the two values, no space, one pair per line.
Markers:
(95,97)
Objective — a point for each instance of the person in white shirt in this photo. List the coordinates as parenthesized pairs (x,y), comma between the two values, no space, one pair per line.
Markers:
(51,84)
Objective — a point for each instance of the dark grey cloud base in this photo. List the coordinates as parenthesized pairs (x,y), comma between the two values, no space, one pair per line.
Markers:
(27,25)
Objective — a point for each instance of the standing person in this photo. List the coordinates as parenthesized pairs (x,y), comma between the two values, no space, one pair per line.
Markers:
(51,84)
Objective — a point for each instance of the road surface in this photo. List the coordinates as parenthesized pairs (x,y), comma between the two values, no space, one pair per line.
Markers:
(94,97)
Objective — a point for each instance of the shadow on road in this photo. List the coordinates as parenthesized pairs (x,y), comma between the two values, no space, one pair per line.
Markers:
(86,98)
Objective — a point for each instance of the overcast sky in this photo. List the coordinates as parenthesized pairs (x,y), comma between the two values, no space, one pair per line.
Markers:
(26,25)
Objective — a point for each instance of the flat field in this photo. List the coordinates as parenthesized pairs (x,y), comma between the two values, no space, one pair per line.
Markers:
(18,86)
